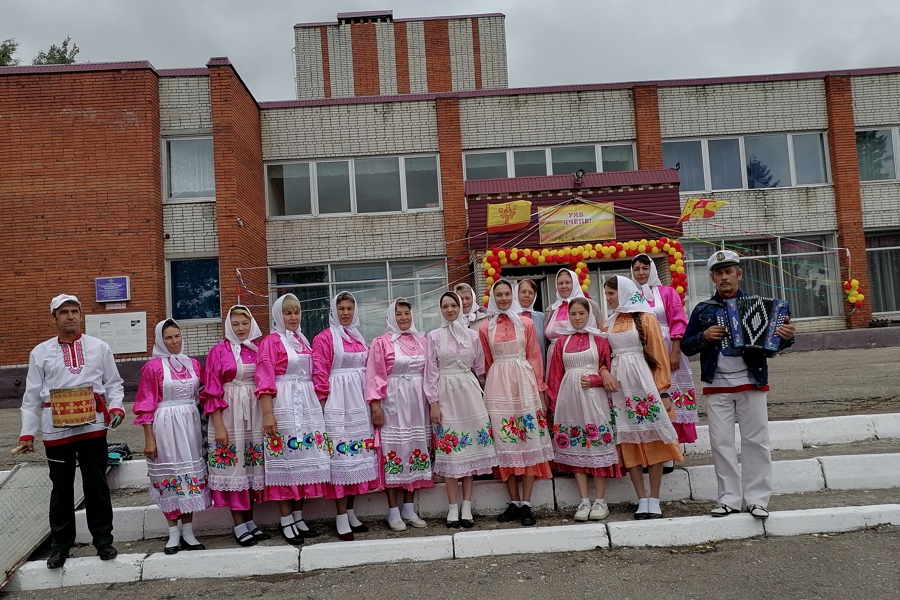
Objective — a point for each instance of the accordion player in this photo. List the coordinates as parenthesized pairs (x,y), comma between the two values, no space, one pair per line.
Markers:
(750,322)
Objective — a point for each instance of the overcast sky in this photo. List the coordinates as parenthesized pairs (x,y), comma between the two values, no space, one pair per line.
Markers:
(549,42)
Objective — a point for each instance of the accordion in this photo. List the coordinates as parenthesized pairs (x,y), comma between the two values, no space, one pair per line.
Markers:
(750,322)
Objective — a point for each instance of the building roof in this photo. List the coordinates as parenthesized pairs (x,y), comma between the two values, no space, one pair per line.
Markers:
(76,67)
(517,185)
(377,13)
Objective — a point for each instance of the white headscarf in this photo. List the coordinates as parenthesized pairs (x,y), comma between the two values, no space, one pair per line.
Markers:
(159,345)
(589,327)
(647,288)
(512,312)
(630,301)
(290,337)
(472,315)
(577,292)
(516,294)
(457,328)
(351,331)
(232,337)
(391,318)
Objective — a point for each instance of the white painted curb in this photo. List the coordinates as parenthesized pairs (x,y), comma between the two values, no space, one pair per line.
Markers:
(237,562)
(35,575)
(861,471)
(788,477)
(531,540)
(837,430)
(887,427)
(684,531)
(816,520)
(334,555)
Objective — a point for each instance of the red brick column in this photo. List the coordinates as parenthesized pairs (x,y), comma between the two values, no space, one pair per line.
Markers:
(437,55)
(453,190)
(365,60)
(647,129)
(326,61)
(240,188)
(401,53)
(847,197)
(476,52)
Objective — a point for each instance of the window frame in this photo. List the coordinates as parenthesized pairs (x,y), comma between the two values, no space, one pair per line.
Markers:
(170,303)
(167,199)
(886,248)
(895,146)
(354,212)
(548,156)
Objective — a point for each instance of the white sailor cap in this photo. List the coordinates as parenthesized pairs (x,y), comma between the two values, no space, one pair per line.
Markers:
(723,258)
(62,299)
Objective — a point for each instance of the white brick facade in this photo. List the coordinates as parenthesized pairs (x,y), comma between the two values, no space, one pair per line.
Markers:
(308,63)
(200,337)
(728,109)
(462,55)
(875,100)
(492,34)
(542,119)
(184,105)
(387,58)
(191,229)
(415,48)
(880,205)
(349,130)
(343,239)
(340,61)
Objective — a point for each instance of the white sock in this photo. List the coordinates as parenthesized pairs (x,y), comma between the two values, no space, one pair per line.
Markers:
(643,505)
(298,520)
(187,534)
(600,500)
(342,523)
(526,503)
(585,500)
(174,537)
(466,510)
(453,512)
(286,526)
(669,463)
(654,506)
(409,511)
(518,503)
(240,530)
(251,526)
(351,517)
(394,515)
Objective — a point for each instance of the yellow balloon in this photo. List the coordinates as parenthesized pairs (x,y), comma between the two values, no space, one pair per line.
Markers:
(523,261)
(672,268)
(514,255)
(541,260)
(489,253)
(623,254)
(855,283)
(632,245)
(679,289)
(489,281)
(485,299)
(672,251)
(679,262)
(503,260)
(860,297)
(580,265)
(588,247)
(666,247)
(492,271)
(584,287)
(852,299)
(678,255)
(567,251)
(515,249)
(642,248)
(592,254)
(679,269)
(502,254)
(545,252)
(577,271)
(653,243)
(535,254)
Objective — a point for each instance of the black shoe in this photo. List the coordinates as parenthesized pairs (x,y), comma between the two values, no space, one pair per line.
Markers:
(361,528)
(527,517)
(57,559)
(107,552)
(246,539)
(510,514)
(171,549)
(668,470)
(453,524)
(260,535)
(308,533)
(186,546)
(640,516)
(652,515)
(467,523)
(293,541)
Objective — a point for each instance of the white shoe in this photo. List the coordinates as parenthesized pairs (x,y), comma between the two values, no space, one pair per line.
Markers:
(415,521)
(583,512)
(397,525)
(599,511)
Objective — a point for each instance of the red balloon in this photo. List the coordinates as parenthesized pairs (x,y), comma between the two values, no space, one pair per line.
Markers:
(619,247)
(859,303)
(663,240)
(848,286)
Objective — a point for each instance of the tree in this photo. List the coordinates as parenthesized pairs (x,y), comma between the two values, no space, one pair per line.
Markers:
(7,50)
(759,175)
(57,55)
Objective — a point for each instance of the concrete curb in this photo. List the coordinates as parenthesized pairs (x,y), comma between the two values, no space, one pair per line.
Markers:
(685,531)
(334,555)
(861,471)
(237,562)
(560,538)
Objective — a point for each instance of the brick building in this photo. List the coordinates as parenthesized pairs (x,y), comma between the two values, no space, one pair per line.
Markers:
(377,177)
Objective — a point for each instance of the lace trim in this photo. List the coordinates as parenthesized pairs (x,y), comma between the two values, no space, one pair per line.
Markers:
(291,479)
(528,458)
(425,475)
(457,469)
(686,416)
(183,505)
(236,484)
(594,461)
(354,477)
(645,437)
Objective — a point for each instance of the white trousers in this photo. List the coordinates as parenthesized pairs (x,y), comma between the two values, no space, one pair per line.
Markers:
(751,481)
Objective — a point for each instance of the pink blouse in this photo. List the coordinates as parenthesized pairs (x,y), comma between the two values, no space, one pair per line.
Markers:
(150,388)
(674,307)
(380,362)
(578,343)
(221,369)
(271,362)
(323,356)
(432,362)
(506,332)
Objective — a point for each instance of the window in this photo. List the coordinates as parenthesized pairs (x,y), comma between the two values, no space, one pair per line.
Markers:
(555,160)
(530,162)
(749,162)
(358,186)
(189,168)
(883,254)
(486,165)
(568,159)
(617,158)
(875,153)
(804,271)
(194,287)
(374,285)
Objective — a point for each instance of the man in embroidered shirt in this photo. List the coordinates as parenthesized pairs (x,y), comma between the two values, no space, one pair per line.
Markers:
(73,360)
(736,388)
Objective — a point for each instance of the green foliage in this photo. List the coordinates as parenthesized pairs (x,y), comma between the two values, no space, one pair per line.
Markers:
(7,51)
(57,55)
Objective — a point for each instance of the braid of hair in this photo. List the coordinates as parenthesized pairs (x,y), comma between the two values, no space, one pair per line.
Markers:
(639,326)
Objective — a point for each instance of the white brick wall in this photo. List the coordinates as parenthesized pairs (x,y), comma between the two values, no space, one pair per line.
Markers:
(539,119)
(880,204)
(387,58)
(349,130)
(191,228)
(782,211)
(462,55)
(200,337)
(184,104)
(821,324)
(742,108)
(415,45)
(875,100)
(340,61)
(492,33)
(336,239)
(308,63)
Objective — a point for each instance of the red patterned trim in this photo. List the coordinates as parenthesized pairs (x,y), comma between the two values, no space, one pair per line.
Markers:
(747,387)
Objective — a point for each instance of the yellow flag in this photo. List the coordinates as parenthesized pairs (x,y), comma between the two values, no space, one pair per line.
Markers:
(508,216)
(700,208)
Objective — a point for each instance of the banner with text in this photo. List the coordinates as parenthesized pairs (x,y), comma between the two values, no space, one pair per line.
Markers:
(578,223)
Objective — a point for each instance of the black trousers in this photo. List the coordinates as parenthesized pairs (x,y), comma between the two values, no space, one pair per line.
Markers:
(92,459)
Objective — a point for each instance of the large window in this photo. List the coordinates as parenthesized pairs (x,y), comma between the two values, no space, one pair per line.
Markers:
(804,271)
(379,184)
(189,168)
(876,151)
(883,253)
(194,288)
(748,162)
(374,285)
(555,160)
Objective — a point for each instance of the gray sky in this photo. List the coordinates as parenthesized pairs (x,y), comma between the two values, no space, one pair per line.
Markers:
(549,42)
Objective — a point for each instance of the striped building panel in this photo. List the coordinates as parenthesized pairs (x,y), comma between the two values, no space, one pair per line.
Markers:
(418,70)
(340,55)
(184,105)
(492,34)
(462,64)
(875,100)
(308,63)
(387,58)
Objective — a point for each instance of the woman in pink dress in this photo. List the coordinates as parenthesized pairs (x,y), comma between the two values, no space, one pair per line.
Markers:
(166,406)
(462,427)
(515,399)
(556,316)
(339,361)
(297,456)
(235,440)
(396,397)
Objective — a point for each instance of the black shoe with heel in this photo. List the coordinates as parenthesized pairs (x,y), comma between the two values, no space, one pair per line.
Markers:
(527,518)
(511,513)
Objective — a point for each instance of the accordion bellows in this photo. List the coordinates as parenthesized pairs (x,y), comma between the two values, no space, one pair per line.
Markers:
(750,322)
